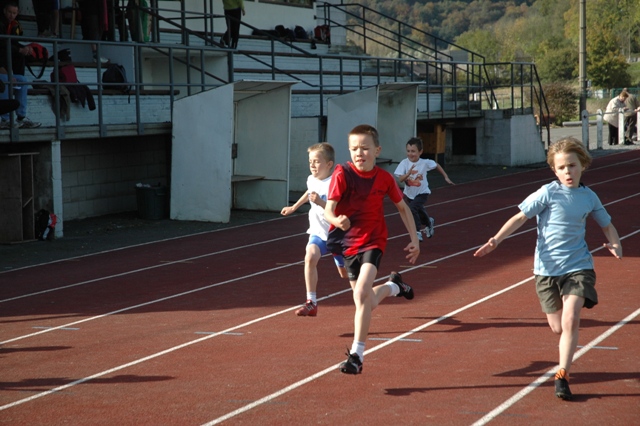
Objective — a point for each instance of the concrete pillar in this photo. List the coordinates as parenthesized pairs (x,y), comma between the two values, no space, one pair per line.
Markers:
(56,185)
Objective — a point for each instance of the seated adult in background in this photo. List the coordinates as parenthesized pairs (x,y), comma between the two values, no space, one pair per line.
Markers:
(615,106)
(9,25)
(631,119)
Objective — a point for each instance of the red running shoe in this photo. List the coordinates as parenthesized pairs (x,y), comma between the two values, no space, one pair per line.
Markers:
(309,309)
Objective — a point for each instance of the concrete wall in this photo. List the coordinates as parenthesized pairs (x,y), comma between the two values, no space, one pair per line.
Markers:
(304,133)
(501,139)
(99,177)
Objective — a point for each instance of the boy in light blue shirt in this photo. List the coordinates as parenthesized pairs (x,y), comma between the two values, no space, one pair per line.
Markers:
(563,266)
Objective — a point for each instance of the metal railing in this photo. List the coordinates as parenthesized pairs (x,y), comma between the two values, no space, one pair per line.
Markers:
(460,87)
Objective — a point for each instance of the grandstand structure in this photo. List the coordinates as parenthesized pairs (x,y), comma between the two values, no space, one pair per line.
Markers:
(225,129)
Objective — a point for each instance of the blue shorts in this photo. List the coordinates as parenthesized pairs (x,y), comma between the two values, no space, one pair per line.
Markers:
(322,245)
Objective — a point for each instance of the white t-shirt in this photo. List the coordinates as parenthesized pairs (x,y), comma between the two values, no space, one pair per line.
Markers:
(318,225)
(421,167)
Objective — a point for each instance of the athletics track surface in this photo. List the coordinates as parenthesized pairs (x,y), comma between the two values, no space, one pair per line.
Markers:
(201,329)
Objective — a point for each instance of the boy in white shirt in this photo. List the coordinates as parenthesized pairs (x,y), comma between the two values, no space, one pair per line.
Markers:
(321,160)
(413,172)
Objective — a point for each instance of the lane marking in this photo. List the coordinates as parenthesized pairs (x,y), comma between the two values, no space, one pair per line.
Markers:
(215,332)
(76,258)
(551,373)
(48,327)
(405,335)
(389,338)
(295,385)
(609,348)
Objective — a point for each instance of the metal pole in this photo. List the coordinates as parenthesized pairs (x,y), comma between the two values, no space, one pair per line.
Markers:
(583,55)
(585,128)
(599,131)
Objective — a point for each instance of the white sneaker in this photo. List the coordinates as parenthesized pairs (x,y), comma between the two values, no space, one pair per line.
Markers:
(6,124)
(419,236)
(103,61)
(429,230)
(25,123)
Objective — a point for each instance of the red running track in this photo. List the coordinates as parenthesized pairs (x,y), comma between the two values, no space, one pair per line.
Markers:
(201,329)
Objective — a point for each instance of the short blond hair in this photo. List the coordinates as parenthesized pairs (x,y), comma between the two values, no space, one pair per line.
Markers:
(325,149)
(567,145)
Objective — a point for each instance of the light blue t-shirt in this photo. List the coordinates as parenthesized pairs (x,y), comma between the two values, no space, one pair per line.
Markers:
(562,214)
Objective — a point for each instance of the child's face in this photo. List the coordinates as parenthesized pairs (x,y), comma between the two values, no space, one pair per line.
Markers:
(568,168)
(363,152)
(10,12)
(320,168)
(413,154)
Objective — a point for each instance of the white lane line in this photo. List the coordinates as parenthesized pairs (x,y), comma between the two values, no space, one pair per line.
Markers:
(254,321)
(289,217)
(148,268)
(546,376)
(334,368)
(296,385)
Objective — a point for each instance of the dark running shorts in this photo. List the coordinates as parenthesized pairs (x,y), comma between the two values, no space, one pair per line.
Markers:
(355,262)
(579,283)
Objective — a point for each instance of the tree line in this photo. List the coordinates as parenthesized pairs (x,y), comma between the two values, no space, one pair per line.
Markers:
(545,32)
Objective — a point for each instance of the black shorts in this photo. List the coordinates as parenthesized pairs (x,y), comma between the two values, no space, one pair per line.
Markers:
(355,262)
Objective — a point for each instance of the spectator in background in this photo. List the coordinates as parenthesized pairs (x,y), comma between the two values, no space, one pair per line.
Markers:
(93,13)
(9,25)
(233,12)
(615,106)
(47,17)
(631,119)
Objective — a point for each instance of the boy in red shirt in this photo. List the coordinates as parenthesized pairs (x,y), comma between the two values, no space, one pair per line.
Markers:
(355,211)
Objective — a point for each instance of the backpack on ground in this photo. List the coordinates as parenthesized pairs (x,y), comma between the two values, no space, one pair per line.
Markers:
(38,55)
(116,73)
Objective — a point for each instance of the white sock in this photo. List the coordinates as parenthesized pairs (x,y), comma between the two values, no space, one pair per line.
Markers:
(311,295)
(358,348)
(394,289)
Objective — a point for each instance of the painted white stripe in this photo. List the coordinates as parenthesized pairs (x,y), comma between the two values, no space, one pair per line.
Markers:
(297,384)
(63,328)
(551,373)
(609,348)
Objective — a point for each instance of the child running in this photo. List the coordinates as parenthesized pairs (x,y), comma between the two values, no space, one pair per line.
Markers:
(413,172)
(355,211)
(563,266)
(321,159)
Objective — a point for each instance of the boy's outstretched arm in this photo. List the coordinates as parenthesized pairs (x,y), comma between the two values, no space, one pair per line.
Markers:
(510,226)
(290,209)
(444,174)
(614,245)
(414,246)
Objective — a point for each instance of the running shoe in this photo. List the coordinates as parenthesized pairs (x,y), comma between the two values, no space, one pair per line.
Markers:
(309,309)
(405,289)
(429,229)
(562,385)
(352,365)
(420,236)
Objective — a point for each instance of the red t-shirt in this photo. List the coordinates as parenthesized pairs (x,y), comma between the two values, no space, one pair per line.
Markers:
(360,197)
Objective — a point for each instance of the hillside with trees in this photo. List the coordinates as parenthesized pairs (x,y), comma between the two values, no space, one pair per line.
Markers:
(542,31)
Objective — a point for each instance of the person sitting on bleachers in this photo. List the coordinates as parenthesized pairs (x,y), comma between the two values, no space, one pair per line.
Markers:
(9,25)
